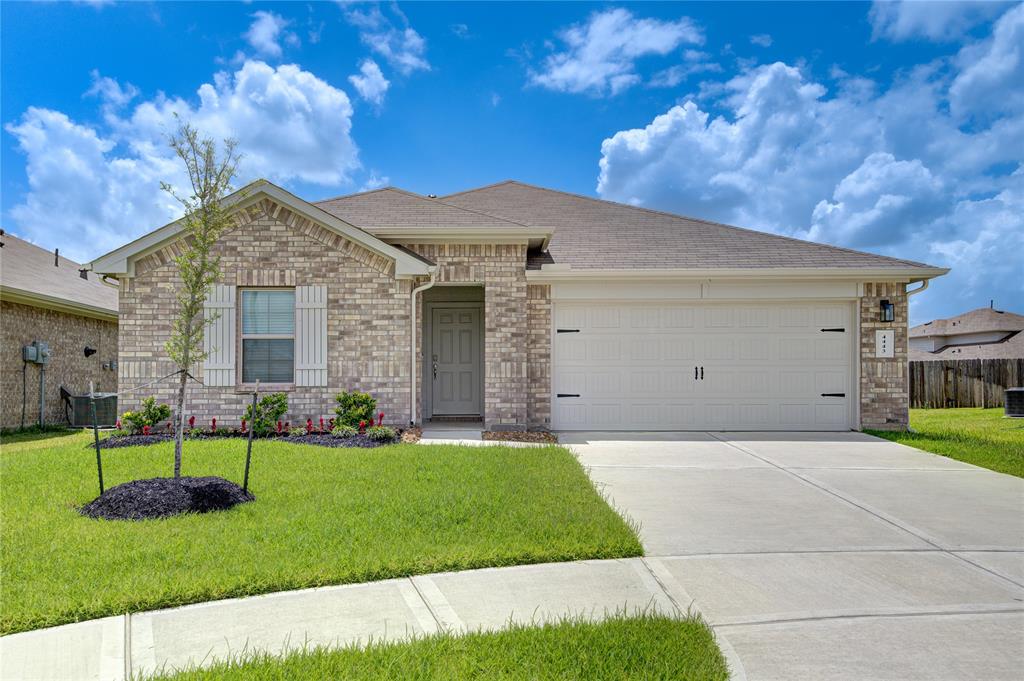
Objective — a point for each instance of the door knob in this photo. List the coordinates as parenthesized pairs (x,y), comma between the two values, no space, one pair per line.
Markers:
(435,371)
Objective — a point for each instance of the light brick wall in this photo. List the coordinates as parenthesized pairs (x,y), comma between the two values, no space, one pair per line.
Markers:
(501,268)
(68,335)
(368,320)
(538,356)
(884,388)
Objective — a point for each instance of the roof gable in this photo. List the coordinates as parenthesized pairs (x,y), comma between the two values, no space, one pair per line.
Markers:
(976,321)
(597,234)
(120,262)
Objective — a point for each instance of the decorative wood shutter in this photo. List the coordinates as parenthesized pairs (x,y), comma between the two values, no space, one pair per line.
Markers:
(220,339)
(311,335)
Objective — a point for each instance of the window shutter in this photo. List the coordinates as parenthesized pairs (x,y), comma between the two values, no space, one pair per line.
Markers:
(311,335)
(219,338)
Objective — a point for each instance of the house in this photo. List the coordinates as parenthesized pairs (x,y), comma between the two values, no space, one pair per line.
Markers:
(985,333)
(528,308)
(47,298)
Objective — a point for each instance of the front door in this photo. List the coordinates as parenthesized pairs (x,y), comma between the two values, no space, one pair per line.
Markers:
(455,361)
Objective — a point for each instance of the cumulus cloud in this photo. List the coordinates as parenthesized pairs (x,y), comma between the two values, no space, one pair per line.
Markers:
(370,83)
(266,33)
(110,92)
(992,77)
(901,20)
(94,187)
(401,46)
(890,168)
(600,55)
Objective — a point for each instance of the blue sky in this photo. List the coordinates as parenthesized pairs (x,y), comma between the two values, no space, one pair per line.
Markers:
(891,127)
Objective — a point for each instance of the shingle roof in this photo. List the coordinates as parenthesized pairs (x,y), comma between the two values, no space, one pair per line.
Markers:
(976,321)
(595,234)
(28,272)
(1011,347)
(391,208)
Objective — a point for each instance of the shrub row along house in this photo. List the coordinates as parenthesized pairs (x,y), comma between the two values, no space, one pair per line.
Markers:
(528,308)
(68,320)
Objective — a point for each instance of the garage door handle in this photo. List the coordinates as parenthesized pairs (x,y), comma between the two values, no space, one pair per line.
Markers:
(568,395)
(835,330)
(702,373)
(833,394)
(567,330)
(695,373)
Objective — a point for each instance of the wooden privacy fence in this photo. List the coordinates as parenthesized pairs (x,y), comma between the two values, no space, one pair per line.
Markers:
(963,382)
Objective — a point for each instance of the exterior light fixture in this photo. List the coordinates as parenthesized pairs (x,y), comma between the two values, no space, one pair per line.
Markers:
(89,352)
(888,311)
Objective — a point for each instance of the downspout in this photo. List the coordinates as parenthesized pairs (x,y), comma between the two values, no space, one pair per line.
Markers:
(923,286)
(412,346)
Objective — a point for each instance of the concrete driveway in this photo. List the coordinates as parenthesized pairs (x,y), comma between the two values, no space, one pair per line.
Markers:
(828,556)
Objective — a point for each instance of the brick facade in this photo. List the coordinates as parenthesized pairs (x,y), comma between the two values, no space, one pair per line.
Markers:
(538,356)
(67,335)
(884,388)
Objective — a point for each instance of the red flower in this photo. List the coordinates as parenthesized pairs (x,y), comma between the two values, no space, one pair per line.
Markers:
(118,424)
(380,419)
(362,426)
(321,424)
(145,430)
(330,424)
(278,427)
(213,426)
(191,421)
(309,426)
(243,425)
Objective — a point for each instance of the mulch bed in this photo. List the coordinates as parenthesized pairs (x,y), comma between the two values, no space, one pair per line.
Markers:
(521,436)
(319,439)
(163,497)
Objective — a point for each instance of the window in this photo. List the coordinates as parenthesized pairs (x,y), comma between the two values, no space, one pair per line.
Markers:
(268,336)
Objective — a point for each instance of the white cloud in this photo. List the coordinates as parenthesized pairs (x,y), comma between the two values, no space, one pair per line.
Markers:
(992,77)
(460,30)
(402,47)
(375,181)
(371,85)
(110,92)
(600,55)
(96,187)
(900,20)
(695,62)
(761,39)
(891,170)
(266,33)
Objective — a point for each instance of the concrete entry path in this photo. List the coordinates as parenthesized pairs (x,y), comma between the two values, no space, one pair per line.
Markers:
(828,556)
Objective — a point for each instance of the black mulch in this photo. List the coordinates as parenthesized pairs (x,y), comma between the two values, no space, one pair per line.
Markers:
(319,439)
(162,497)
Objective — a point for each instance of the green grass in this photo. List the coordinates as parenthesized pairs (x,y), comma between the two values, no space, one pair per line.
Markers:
(982,437)
(645,647)
(321,516)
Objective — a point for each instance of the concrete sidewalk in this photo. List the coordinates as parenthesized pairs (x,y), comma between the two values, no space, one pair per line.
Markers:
(117,647)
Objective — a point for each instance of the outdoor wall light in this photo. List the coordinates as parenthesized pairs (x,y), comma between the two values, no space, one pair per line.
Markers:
(89,352)
(888,311)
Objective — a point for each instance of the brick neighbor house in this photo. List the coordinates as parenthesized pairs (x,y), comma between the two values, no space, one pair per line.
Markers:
(527,307)
(44,297)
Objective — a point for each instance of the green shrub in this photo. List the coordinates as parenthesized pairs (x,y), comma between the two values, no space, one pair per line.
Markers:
(150,414)
(194,432)
(381,434)
(344,431)
(296,431)
(353,407)
(269,410)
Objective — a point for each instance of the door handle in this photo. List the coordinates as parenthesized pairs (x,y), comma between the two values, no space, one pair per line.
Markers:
(695,373)
(702,373)
(435,371)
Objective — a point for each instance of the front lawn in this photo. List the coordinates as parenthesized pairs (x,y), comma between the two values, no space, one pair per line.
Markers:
(982,437)
(645,647)
(321,516)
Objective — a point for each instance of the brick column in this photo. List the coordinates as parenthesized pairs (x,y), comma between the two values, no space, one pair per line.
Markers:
(884,382)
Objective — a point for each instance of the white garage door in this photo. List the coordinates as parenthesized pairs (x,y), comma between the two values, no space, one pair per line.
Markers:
(696,366)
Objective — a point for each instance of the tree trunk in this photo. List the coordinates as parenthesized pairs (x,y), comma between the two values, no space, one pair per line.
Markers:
(179,431)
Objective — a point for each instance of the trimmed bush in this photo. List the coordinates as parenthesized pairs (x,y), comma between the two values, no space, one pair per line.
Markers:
(381,434)
(353,407)
(344,431)
(297,431)
(269,410)
(150,414)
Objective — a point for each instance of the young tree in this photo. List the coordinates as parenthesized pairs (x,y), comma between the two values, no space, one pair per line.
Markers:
(210,173)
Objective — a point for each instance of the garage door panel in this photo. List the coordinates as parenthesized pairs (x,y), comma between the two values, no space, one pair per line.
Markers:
(765,365)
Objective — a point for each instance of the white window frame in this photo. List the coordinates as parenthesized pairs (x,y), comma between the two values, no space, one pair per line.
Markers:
(242,337)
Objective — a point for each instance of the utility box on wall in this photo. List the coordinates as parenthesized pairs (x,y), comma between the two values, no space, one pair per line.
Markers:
(884,343)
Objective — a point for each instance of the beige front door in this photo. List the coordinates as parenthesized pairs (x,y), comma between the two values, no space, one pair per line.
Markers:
(456,361)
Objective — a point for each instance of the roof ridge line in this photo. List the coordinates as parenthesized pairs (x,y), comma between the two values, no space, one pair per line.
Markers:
(686,217)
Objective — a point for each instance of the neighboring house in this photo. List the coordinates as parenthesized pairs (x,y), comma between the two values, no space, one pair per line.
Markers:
(527,307)
(984,333)
(44,297)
